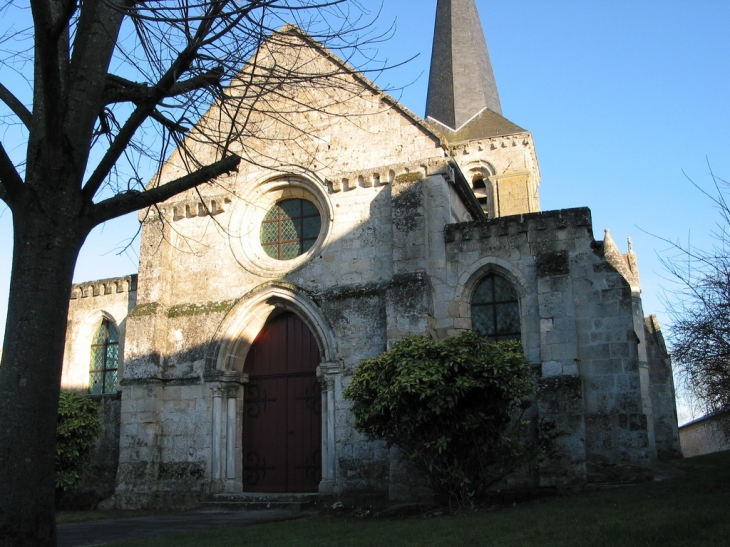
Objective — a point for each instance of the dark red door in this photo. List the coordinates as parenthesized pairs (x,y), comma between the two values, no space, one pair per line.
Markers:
(282,430)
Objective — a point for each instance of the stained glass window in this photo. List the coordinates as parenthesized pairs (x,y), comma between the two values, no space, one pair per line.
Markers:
(104,359)
(495,309)
(290,229)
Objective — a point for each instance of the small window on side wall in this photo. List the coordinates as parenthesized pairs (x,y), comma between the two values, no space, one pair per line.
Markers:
(495,309)
(104,359)
(481,192)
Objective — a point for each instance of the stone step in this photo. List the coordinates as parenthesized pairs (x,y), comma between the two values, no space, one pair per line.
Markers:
(257,502)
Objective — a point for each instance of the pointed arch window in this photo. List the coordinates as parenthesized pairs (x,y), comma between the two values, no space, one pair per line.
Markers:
(104,364)
(495,309)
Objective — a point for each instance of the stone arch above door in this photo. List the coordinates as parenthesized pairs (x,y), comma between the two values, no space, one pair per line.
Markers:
(227,376)
(245,321)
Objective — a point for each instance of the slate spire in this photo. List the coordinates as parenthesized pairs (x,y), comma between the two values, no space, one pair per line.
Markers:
(461,82)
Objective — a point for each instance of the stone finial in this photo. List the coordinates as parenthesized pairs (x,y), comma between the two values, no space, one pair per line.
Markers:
(625,263)
(633,262)
(612,254)
(609,245)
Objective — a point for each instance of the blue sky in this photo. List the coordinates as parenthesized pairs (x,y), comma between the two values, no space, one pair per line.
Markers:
(623,98)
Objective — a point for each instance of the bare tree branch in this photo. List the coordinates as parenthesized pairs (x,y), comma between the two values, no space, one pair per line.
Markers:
(10,181)
(700,310)
(171,126)
(127,202)
(121,90)
(94,44)
(16,106)
(157,93)
(51,56)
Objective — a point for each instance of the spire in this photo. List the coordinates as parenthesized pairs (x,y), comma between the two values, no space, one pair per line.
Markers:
(461,82)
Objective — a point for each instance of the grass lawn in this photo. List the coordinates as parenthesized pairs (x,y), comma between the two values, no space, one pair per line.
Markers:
(691,510)
(68,517)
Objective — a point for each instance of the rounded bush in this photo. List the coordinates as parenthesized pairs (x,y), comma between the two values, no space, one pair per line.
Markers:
(77,429)
(453,408)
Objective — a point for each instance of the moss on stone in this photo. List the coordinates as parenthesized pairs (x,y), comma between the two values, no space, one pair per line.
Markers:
(549,264)
(409,177)
(145,309)
(186,310)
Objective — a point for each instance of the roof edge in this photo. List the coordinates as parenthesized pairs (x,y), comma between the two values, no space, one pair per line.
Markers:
(291,29)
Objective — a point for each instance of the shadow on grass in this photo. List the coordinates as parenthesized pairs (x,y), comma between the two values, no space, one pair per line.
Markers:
(689,510)
(69,517)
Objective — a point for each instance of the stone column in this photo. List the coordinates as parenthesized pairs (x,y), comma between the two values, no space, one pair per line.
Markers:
(226,428)
(327,375)
(217,452)
(330,382)
(232,397)
(325,415)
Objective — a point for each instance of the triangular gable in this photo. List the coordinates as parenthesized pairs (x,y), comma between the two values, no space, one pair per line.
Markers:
(293,30)
(291,121)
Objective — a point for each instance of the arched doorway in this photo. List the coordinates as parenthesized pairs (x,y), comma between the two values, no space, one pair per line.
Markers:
(282,430)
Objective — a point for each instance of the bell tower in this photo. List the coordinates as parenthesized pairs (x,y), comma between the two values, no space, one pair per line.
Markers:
(497,156)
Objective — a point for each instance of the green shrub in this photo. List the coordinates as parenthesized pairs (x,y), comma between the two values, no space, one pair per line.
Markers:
(453,408)
(78,426)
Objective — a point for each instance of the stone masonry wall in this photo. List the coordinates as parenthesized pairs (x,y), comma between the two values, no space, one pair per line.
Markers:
(204,264)
(586,348)
(363,164)
(703,436)
(662,392)
(397,255)
(510,170)
(368,280)
(91,302)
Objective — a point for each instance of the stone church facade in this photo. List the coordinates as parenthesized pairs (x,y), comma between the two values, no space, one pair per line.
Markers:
(226,356)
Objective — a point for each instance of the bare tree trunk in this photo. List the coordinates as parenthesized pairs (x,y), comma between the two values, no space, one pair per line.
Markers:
(44,256)
(181,54)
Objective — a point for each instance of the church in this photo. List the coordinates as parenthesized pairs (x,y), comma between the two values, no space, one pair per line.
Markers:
(353,223)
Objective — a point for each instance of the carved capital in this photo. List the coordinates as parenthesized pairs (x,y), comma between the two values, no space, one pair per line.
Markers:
(217,391)
(330,367)
(226,377)
(231,392)
(327,383)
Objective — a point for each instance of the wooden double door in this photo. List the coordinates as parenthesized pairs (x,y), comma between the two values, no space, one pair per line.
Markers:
(282,430)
